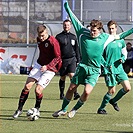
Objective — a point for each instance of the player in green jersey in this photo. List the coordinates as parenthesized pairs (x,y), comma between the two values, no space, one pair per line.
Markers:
(114,54)
(91,43)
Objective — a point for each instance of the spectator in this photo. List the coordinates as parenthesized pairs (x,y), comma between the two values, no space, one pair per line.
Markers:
(128,65)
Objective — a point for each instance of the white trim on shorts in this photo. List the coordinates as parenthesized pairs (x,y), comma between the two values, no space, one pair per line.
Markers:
(43,78)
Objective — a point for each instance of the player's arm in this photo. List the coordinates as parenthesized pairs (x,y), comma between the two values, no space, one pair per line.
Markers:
(76,23)
(77,51)
(124,55)
(56,63)
(124,34)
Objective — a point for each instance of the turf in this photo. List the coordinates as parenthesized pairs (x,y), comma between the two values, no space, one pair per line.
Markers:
(85,121)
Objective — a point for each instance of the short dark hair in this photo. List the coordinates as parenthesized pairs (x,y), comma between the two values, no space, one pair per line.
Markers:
(128,43)
(96,23)
(67,20)
(111,22)
(41,28)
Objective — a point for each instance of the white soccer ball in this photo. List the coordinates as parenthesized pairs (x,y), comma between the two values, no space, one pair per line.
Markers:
(33,114)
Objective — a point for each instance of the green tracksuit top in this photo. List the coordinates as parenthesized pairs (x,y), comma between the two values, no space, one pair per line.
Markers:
(113,54)
(91,49)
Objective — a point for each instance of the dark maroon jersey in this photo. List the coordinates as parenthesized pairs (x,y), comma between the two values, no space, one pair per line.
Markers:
(50,54)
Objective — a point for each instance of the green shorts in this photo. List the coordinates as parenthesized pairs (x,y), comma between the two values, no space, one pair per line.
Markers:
(113,79)
(86,75)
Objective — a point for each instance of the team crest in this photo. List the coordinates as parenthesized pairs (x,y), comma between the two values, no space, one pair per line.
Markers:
(73,42)
(119,45)
(46,44)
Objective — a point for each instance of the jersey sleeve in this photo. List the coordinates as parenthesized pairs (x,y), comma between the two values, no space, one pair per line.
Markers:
(56,63)
(76,23)
(125,34)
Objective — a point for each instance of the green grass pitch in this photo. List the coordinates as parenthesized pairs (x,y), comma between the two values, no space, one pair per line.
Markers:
(85,121)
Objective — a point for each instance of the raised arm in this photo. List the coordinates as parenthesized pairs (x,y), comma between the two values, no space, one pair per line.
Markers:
(76,23)
(124,34)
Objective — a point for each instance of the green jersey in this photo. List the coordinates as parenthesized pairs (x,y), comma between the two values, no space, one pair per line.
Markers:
(91,49)
(113,54)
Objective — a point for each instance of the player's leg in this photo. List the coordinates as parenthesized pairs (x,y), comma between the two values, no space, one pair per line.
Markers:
(42,83)
(63,73)
(23,96)
(87,90)
(66,101)
(123,80)
(62,86)
(76,94)
(106,99)
(77,79)
(71,70)
(32,78)
(110,80)
(126,88)
(90,81)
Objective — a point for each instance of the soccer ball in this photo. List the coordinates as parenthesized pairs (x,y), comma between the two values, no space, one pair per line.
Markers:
(33,114)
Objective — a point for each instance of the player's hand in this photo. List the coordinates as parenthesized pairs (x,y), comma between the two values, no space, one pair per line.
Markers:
(120,60)
(43,68)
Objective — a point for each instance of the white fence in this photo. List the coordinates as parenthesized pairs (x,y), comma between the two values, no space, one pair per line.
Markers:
(11,58)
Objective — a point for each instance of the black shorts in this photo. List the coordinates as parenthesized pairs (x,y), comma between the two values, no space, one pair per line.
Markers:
(68,66)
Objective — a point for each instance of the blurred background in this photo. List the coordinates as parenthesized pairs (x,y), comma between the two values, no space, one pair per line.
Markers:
(19,19)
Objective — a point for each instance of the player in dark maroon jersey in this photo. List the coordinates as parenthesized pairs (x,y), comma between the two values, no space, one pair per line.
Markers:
(48,63)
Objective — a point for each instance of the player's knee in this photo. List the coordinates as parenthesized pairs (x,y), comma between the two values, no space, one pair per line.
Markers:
(127,89)
(38,90)
(86,93)
(112,91)
(27,87)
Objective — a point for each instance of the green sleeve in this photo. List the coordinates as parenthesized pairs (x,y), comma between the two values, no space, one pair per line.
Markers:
(126,33)
(76,23)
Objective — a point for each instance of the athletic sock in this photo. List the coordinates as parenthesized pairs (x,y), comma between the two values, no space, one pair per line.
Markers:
(78,104)
(65,104)
(22,99)
(105,101)
(75,92)
(119,95)
(61,86)
(38,100)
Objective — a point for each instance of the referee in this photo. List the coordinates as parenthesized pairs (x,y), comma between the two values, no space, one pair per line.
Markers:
(69,54)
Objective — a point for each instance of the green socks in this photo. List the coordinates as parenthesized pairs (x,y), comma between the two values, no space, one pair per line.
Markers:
(65,104)
(105,101)
(107,98)
(119,95)
(78,105)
